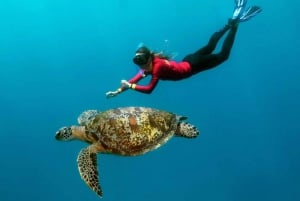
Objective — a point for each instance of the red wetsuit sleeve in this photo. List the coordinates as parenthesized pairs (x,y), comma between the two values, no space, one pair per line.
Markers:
(137,77)
(144,89)
(134,80)
(148,88)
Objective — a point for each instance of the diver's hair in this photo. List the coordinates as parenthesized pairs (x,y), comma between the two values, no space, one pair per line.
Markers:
(151,53)
(161,55)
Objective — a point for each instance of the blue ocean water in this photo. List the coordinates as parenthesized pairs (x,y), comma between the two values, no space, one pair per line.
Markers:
(59,57)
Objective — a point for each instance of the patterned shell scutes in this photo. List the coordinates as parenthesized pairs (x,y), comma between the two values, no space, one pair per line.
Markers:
(87,116)
(132,130)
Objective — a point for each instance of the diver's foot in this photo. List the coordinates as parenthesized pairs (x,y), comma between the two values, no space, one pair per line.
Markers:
(249,13)
(241,14)
(232,23)
(239,8)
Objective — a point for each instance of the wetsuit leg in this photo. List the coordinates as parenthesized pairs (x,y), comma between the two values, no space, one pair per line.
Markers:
(213,41)
(203,59)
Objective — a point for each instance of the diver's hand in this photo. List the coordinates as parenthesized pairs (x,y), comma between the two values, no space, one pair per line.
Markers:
(125,84)
(111,94)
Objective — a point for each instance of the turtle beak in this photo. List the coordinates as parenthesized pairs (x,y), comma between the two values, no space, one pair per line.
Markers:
(57,135)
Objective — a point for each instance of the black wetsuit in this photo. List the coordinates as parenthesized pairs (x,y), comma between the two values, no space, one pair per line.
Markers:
(203,59)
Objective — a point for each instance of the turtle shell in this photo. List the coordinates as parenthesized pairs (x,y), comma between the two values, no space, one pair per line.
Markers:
(131,130)
(85,117)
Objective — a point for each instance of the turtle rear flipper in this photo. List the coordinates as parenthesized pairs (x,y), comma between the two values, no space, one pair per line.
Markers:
(186,130)
(87,166)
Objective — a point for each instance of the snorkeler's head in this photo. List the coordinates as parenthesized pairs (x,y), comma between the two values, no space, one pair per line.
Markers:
(142,56)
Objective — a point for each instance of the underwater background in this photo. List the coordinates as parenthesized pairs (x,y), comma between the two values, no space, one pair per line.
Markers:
(59,57)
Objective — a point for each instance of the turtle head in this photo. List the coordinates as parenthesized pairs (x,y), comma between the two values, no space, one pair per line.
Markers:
(64,134)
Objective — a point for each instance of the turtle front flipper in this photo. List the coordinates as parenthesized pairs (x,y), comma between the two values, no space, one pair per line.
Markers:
(87,166)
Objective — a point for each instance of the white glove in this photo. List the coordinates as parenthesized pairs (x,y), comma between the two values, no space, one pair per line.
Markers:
(111,94)
(125,84)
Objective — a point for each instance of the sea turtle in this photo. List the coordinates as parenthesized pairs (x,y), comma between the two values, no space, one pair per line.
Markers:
(127,131)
